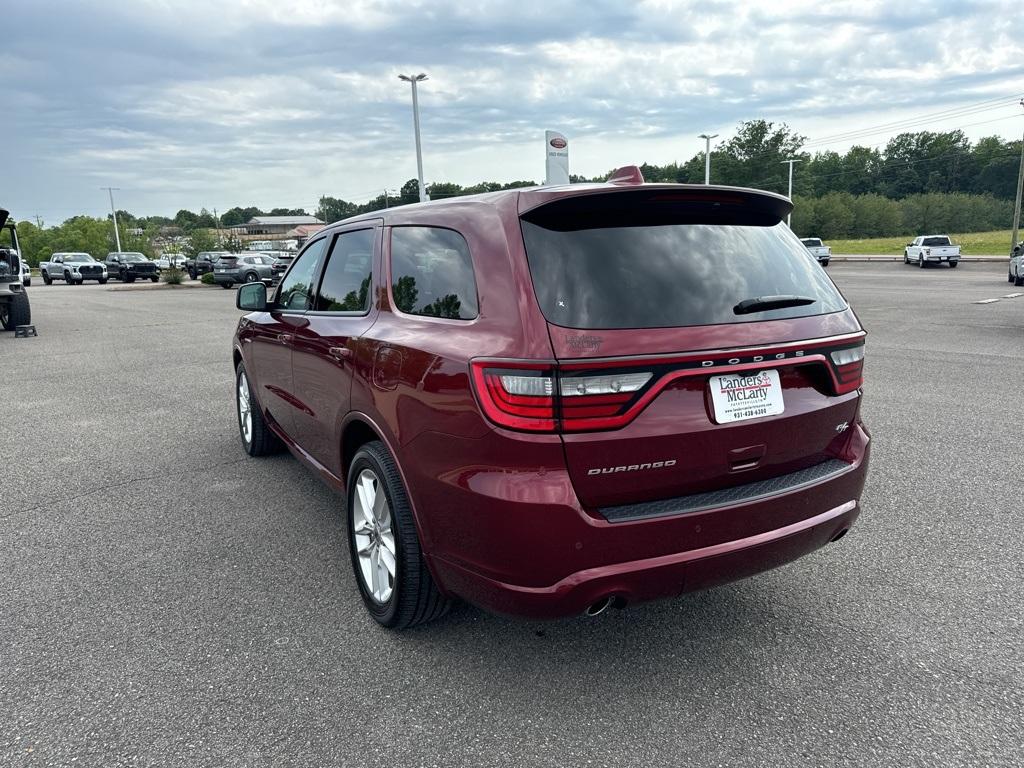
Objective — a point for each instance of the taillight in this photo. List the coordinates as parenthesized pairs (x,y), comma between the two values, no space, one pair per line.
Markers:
(849,368)
(534,397)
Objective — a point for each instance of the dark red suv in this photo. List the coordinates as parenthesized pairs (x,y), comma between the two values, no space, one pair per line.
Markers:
(554,400)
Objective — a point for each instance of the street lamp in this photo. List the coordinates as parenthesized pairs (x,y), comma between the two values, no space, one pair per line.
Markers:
(117,236)
(416,124)
(1016,205)
(707,155)
(790,161)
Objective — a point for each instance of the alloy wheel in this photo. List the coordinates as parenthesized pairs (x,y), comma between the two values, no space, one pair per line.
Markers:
(244,408)
(374,537)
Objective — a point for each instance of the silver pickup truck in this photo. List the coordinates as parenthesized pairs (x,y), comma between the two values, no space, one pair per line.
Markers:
(931,249)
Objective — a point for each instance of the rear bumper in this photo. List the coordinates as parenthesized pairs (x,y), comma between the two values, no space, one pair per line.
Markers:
(552,558)
(652,578)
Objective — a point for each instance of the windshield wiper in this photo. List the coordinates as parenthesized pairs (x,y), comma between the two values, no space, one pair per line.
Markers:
(765,303)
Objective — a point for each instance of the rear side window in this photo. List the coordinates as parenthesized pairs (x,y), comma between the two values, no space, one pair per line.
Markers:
(346,283)
(432,273)
(633,269)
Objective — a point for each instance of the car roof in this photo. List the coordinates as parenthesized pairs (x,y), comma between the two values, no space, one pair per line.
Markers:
(528,198)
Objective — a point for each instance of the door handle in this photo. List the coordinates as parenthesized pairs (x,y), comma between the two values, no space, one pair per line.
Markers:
(284,338)
(341,353)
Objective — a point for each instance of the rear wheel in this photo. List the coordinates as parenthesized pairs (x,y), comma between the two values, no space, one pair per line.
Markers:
(389,565)
(15,312)
(952,264)
(824,263)
(257,438)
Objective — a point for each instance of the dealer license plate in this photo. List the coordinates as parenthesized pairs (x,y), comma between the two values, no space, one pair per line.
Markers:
(741,396)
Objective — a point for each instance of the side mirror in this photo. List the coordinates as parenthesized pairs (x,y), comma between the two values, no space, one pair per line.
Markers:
(251,297)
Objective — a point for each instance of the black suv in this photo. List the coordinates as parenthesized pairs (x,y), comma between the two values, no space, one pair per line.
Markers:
(129,266)
(203,263)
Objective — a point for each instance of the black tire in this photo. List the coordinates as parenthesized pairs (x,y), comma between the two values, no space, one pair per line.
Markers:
(262,441)
(15,312)
(824,263)
(251,277)
(906,259)
(226,285)
(128,278)
(67,278)
(192,274)
(952,264)
(28,282)
(47,280)
(102,281)
(1009,276)
(415,598)
(154,279)
(920,261)
(1018,280)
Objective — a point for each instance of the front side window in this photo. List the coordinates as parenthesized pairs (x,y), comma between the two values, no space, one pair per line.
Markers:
(296,291)
(346,283)
(432,273)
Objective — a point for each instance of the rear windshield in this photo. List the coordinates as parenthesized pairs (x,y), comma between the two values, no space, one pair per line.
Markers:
(671,275)
(811,242)
(936,241)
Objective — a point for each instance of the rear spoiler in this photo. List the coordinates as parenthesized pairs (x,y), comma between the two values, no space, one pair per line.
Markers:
(625,203)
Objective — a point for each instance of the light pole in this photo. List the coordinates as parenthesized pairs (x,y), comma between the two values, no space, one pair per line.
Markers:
(416,124)
(791,160)
(707,155)
(117,235)
(1016,205)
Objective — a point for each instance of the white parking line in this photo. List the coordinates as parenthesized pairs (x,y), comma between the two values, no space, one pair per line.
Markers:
(987,301)
(1012,295)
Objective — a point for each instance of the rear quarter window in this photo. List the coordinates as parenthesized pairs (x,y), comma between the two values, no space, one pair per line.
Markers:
(432,273)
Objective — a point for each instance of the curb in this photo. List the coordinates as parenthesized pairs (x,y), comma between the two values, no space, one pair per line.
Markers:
(884,257)
(159,286)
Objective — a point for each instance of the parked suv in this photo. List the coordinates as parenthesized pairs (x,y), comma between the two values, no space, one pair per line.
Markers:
(203,263)
(232,268)
(555,400)
(129,266)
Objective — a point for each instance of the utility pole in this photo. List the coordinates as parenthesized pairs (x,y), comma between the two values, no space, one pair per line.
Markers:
(791,160)
(1020,186)
(117,235)
(385,199)
(707,155)
(416,124)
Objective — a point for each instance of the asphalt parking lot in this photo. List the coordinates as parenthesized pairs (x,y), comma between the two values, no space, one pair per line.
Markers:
(165,600)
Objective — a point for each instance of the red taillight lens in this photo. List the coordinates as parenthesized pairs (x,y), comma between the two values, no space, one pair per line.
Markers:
(534,397)
(849,368)
(520,397)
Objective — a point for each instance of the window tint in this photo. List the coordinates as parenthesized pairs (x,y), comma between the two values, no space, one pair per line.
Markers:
(670,275)
(432,273)
(346,283)
(296,291)
(936,241)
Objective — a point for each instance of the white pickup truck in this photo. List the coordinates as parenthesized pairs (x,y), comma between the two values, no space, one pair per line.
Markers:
(818,249)
(931,249)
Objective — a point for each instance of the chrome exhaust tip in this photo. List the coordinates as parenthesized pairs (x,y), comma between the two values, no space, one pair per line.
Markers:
(600,606)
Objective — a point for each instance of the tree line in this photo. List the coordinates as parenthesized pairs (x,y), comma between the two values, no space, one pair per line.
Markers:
(916,182)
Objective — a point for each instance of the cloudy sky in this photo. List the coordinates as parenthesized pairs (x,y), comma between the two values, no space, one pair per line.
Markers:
(193,103)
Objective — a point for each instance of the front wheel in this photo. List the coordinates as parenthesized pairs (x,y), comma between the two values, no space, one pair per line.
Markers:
(128,278)
(47,280)
(1009,276)
(1018,280)
(906,258)
(154,279)
(102,281)
(257,438)
(387,560)
(15,312)
(920,261)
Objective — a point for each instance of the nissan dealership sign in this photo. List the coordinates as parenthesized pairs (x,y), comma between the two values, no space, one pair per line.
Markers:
(556,148)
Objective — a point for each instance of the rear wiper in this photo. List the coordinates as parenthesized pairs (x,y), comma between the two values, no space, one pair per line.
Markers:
(765,303)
